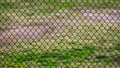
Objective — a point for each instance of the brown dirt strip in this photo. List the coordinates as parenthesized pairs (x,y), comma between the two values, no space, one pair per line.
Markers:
(28,32)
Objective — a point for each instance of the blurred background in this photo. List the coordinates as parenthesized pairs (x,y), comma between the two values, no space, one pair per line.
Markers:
(68,33)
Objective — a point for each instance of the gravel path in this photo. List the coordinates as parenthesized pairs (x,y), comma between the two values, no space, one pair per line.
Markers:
(106,17)
(28,32)
(33,32)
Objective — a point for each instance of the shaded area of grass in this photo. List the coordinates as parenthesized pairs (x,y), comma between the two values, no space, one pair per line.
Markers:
(117,46)
(106,59)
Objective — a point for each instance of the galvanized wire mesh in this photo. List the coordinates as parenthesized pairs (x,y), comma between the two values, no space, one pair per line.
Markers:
(67,33)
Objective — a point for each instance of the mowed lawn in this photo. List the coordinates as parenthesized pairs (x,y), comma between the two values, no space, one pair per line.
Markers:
(78,43)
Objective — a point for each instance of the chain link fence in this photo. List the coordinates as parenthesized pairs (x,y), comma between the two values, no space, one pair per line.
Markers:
(59,33)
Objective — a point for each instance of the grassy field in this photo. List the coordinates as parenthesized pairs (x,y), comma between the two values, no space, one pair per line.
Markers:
(78,43)
(90,45)
(45,7)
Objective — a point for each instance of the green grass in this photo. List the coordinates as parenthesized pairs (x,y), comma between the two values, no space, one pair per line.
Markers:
(47,58)
(117,46)
(44,5)
(106,59)
(62,4)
